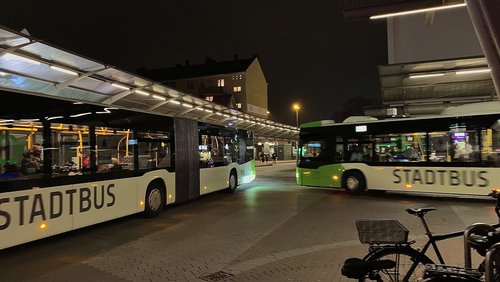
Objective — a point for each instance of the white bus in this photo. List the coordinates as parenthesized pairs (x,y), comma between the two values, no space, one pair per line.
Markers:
(456,154)
(66,165)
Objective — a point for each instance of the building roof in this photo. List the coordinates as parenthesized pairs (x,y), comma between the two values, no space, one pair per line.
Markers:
(209,68)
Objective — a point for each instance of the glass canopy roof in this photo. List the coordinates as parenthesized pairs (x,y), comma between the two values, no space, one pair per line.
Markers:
(31,66)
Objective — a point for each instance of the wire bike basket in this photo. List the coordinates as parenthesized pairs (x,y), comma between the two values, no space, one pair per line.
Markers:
(381,231)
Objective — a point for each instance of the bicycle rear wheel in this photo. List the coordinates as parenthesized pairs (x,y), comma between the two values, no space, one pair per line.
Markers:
(404,258)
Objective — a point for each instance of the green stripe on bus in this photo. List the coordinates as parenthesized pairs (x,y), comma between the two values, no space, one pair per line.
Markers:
(328,176)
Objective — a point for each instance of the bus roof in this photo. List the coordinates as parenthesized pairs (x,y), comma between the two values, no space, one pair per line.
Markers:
(474,109)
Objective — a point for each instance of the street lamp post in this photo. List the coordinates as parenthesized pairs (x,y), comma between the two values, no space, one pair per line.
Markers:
(296,107)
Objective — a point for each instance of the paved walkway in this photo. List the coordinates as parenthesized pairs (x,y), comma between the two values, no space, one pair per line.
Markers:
(258,163)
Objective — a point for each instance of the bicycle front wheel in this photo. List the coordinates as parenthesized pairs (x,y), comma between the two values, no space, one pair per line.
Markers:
(409,263)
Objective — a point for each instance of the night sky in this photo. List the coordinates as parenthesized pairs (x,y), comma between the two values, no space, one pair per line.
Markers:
(309,54)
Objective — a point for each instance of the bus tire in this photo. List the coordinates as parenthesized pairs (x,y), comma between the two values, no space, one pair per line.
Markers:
(354,183)
(154,200)
(233,181)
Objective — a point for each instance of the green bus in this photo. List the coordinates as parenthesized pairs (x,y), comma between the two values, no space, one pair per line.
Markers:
(450,154)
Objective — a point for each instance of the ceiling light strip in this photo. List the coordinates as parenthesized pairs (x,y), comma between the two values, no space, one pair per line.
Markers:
(426,75)
(418,11)
(64,70)
(473,71)
(141,92)
(120,86)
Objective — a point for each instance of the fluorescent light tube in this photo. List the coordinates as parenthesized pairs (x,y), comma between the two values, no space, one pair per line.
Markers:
(473,71)
(418,11)
(159,97)
(82,114)
(63,70)
(426,75)
(141,92)
(120,86)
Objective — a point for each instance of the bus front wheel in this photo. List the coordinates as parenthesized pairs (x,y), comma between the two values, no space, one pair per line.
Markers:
(354,183)
(155,200)
(233,182)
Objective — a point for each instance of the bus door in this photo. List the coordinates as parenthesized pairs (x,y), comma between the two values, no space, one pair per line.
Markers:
(154,150)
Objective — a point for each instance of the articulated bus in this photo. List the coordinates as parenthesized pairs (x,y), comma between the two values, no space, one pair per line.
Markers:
(66,165)
(457,154)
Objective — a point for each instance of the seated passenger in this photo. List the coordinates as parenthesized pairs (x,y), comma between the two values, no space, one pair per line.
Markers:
(32,161)
(385,157)
(114,166)
(102,168)
(356,156)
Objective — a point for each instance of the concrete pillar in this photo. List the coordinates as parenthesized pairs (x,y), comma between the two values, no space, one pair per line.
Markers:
(485,17)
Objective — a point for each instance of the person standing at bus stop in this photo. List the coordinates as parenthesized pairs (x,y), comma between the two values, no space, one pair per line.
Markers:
(274,157)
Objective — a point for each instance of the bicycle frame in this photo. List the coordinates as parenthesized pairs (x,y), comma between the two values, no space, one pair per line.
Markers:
(436,238)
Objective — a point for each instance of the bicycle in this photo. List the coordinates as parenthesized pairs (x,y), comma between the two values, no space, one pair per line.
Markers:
(388,241)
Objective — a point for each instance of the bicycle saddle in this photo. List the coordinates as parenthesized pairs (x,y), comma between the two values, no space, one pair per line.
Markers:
(356,268)
(421,211)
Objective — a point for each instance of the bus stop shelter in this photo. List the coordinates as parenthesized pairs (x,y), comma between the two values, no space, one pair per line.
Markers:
(31,66)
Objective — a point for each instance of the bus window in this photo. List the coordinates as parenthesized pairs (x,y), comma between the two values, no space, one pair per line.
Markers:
(21,151)
(490,150)
(230,153)
(154,150)
(454,146)
(339,153)
(113,152)
(359,152)
(312,149)
(404,147)
(204,150)
(70,149)
(217,150)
